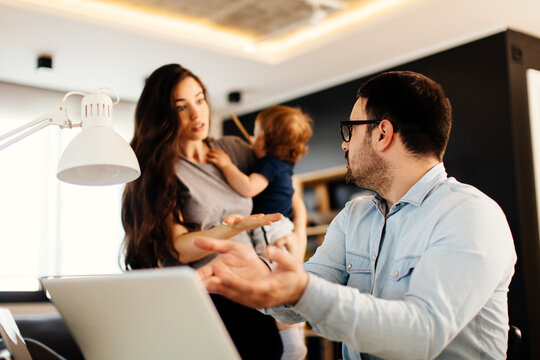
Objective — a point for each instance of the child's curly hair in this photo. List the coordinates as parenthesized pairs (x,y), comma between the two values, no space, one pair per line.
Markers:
(286,132)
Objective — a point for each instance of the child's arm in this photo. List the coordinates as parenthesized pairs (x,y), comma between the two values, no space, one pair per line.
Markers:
(243,184)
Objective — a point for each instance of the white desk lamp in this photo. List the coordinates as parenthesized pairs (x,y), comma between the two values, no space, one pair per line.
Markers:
(98,155)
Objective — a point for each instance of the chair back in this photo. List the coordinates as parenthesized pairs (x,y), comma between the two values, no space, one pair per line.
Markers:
(514,344)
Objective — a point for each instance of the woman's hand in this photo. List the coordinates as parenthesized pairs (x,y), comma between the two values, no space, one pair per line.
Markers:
(232,226)
(219,158)
(240,222)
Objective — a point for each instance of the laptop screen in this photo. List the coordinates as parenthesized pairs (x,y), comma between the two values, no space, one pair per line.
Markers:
(142,314)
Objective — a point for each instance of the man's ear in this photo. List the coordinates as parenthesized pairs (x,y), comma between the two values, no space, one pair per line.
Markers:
(384,135)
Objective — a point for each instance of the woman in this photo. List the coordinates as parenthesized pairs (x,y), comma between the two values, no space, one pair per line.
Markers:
(180,196)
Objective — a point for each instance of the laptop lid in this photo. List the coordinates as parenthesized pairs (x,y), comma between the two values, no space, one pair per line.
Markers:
(142,314)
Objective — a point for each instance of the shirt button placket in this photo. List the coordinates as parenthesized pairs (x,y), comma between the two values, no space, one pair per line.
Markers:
(374,257)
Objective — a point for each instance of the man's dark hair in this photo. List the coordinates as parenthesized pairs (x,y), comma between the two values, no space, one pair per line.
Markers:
(415,105)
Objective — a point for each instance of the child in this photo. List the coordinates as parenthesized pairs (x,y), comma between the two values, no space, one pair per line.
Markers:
(280,138)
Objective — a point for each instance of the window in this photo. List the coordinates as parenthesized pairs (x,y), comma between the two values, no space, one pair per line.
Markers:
(533,89)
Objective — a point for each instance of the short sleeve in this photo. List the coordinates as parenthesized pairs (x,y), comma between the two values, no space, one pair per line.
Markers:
(238,150)
(267,168)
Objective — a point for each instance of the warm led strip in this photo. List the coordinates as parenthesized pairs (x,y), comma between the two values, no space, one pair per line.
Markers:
(180,29)
(340,22)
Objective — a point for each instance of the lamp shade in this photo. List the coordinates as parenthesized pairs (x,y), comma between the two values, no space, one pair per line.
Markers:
(98,156)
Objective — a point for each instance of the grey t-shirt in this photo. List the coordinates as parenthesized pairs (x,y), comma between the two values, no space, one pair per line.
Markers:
(209,198)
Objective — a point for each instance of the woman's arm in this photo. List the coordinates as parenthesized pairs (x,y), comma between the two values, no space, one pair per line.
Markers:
(247,186)
(232,226)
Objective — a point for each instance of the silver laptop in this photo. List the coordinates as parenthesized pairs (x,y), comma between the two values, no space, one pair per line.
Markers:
(142,314)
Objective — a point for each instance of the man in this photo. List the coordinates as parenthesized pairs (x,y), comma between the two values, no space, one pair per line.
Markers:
(419,270)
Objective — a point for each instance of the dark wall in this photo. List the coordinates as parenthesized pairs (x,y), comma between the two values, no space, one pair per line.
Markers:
(326,108)
(490,118)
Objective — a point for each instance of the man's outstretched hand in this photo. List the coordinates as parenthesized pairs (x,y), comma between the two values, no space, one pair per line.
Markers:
(239,274)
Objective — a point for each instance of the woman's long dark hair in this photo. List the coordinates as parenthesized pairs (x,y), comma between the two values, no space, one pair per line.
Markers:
(149,201)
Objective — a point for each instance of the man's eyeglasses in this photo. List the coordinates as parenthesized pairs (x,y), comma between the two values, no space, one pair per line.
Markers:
(347,126)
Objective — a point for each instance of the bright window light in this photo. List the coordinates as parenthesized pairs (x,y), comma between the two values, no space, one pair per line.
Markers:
(533,88)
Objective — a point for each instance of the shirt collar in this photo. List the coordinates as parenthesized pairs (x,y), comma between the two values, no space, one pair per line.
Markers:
(418,192)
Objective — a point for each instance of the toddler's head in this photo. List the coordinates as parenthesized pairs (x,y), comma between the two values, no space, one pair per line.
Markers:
(283,132)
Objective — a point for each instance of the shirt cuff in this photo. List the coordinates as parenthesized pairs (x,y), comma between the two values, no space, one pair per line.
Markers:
(316,301)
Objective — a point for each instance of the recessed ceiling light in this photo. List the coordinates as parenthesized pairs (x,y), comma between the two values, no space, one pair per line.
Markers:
(44,62)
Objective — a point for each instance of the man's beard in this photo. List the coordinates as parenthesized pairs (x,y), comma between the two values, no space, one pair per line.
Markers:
(371,172)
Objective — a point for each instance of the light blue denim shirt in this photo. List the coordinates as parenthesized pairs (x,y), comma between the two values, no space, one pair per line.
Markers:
(428,280)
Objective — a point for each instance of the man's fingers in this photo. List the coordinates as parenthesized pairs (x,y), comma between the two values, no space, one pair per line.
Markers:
(214,245)
(281,242)
(281,257)
(244,292)
(205,271)
(213,284)
(231,287)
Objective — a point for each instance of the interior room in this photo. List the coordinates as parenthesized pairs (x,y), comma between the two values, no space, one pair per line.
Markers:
(250,54)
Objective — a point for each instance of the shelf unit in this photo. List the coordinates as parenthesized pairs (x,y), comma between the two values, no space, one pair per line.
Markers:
(319,180)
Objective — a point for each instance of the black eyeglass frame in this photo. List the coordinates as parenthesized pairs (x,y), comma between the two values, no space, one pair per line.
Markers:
(349,125)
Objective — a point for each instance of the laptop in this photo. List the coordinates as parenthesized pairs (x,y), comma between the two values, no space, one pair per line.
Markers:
(142,314)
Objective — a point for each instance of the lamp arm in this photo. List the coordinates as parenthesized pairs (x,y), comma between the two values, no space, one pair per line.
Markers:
(58,117)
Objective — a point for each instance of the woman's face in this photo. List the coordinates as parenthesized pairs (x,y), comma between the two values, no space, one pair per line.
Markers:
(192,109)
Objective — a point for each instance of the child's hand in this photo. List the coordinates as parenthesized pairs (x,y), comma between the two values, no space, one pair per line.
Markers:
(219,158)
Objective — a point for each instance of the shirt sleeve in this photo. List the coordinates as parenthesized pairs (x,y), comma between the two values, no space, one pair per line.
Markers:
(327,263)
(267,168)
(470,256)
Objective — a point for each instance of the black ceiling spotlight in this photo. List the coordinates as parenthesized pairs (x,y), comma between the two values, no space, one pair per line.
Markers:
(234,97)
(44,62)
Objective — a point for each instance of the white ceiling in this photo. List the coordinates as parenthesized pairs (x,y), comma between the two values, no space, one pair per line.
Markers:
(90,53)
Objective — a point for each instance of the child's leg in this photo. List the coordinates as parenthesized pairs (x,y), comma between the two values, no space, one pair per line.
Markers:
(268,234)
(278,230)
(292,337)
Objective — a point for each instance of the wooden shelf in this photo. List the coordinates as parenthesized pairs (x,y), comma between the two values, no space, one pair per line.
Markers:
(316,230)
(321,176)
(318,180)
